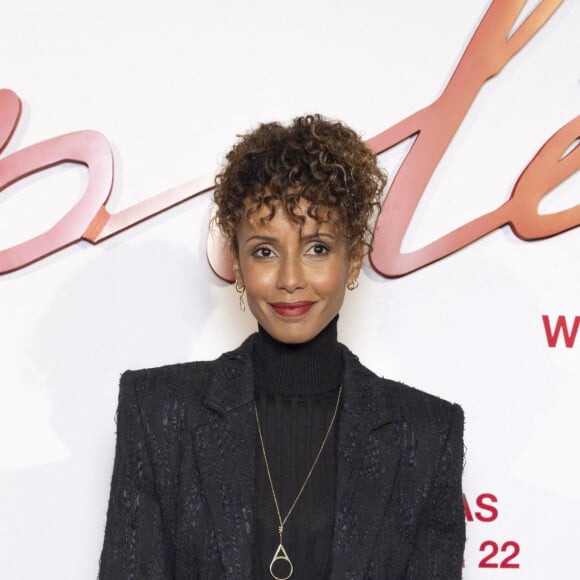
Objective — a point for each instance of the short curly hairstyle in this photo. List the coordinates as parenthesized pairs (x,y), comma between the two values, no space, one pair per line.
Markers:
(314,158)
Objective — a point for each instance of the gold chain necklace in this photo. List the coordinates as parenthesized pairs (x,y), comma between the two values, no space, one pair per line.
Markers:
(281,553)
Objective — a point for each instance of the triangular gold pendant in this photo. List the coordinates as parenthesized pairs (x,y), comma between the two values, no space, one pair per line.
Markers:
(281,554)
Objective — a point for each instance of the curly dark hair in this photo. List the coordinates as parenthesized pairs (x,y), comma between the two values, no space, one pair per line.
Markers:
(317,159)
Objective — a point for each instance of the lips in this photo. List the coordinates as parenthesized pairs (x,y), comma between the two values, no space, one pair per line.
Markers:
(292,309)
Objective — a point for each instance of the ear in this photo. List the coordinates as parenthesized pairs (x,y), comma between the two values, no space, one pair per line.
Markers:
(236,264)
(356,259)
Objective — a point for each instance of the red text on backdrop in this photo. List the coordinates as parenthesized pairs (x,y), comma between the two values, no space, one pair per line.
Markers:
(432,128)
(561,328)
(494,554)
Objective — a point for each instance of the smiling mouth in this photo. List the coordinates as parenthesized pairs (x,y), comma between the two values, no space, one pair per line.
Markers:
(291,309)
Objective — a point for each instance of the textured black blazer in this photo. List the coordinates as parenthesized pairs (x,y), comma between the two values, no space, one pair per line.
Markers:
(182,487)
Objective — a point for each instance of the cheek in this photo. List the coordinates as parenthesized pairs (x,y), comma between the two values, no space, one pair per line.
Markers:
(258,282)
(331,284)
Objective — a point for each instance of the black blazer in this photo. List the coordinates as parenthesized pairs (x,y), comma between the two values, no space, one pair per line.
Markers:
(182,487)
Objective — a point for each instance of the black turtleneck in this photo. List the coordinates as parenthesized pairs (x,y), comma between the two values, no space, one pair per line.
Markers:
(296,390)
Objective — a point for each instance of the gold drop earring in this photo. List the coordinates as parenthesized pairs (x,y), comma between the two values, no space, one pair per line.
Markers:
(240,289)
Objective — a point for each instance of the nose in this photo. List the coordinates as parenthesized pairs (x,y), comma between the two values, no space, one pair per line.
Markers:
(291,274)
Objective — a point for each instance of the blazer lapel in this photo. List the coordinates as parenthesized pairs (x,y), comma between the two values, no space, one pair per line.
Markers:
(367,457)
(225,446)
(367,463)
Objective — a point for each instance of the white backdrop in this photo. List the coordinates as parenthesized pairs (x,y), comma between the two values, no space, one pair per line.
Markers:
(170,84)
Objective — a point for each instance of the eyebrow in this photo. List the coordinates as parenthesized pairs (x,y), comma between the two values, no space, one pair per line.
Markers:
(273,239)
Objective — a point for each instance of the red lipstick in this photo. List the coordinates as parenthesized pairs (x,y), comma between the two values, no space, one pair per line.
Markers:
(291,309)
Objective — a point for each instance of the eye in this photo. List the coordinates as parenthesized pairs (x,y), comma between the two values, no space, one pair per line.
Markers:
(318,249)
(263,252)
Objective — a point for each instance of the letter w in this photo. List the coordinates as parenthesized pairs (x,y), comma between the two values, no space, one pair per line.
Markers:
(561,326)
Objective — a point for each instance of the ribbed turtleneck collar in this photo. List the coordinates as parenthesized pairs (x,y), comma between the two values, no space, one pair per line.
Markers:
(298,370)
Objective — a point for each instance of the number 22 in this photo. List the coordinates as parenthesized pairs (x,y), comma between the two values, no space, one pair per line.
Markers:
(514,550)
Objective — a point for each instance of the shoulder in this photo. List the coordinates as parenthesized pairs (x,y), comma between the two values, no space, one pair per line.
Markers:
(406,404)
(177,392)
(159,381)
(414,402)
(151,386)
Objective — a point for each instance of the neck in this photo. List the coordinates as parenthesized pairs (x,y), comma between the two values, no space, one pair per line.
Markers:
(298,370)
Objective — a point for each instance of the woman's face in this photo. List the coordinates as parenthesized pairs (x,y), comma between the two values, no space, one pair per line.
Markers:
(295,274)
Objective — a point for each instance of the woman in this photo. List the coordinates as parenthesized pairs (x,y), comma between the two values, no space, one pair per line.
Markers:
(286,458)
